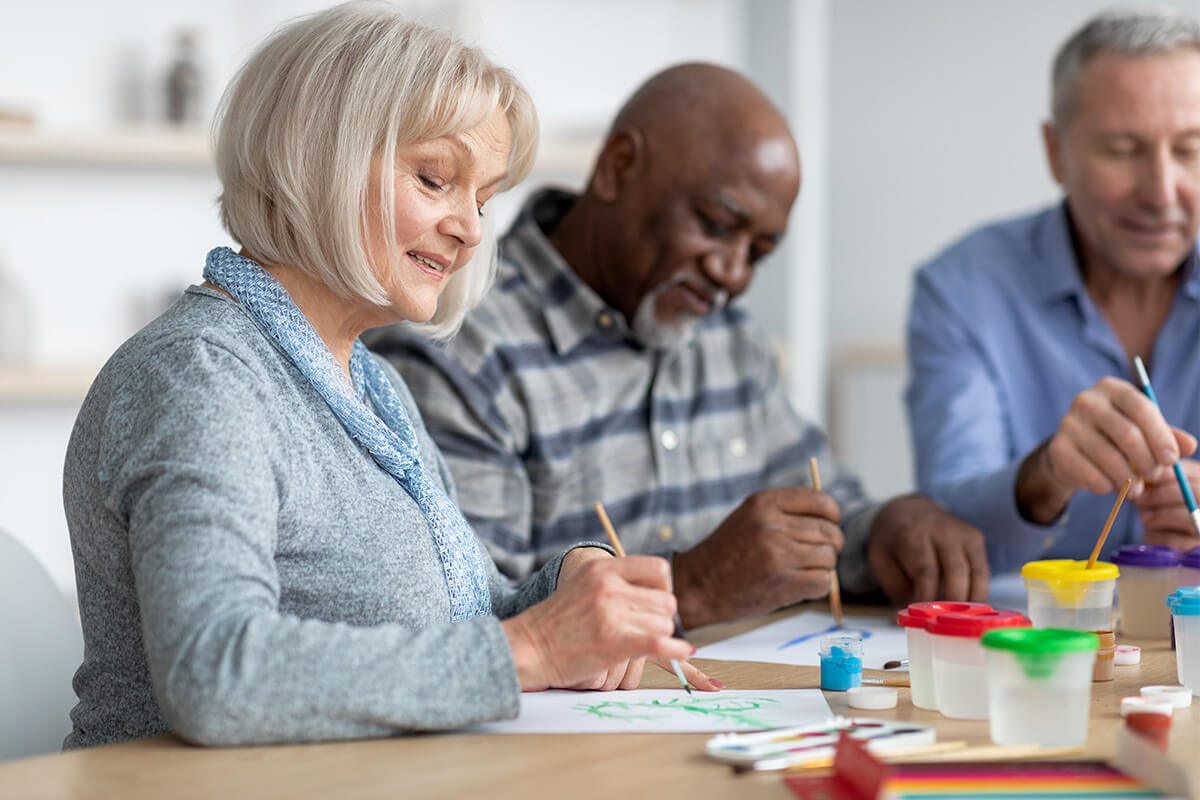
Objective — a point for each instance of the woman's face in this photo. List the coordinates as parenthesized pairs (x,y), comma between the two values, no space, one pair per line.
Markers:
(440,187)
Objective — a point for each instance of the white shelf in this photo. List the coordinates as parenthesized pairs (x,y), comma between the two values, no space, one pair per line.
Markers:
(164,147)
(32,383)
(134,147)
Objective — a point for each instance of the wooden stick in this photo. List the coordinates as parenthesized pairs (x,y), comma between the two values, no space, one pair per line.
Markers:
(608,528)
(835,591)
(956,750)
(1112,515)
(915,752)
(885,682)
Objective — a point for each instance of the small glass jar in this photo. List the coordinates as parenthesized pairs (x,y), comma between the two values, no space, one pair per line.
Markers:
(1105,656)
(841,662)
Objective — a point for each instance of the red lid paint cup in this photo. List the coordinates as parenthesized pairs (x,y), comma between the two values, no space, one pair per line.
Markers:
(915,619)
(959,664)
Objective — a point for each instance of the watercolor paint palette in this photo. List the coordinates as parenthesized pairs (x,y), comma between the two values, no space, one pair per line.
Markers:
(782,747)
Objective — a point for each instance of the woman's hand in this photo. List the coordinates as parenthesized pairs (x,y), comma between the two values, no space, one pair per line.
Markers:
(606,616)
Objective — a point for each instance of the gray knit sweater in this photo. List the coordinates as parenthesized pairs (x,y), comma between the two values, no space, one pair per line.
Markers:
(246,572)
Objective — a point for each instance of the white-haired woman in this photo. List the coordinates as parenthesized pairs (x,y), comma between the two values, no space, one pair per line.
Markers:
(265,541)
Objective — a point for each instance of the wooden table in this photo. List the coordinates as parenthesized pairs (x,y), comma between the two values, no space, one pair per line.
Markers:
(564,767)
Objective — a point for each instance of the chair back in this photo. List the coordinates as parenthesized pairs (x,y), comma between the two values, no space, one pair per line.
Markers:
(41,646)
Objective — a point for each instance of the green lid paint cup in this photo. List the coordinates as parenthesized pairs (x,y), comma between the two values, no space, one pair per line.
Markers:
(959,668)
(1062,593)
(1039,684)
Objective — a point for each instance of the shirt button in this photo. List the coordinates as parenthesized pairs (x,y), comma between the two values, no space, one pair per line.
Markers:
(1049,540)
(665,533)
(737,447)
(669,439)
(604,319)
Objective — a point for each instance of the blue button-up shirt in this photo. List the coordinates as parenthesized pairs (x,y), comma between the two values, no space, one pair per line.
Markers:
(1002,336)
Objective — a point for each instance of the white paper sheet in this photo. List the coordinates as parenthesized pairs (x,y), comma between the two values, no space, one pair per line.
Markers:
(663,711)
(797,640)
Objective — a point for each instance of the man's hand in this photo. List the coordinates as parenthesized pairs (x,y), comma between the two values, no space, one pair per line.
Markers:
(919,551)
(1164,515)
(1111,433)
(775,549)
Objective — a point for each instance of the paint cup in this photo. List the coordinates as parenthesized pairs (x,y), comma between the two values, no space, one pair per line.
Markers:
(841,662)
(1189,568)
(1185,615)
(959,668)
(1039,683)
(1105,656)
(1062,593)
(1149,572)
(915,620)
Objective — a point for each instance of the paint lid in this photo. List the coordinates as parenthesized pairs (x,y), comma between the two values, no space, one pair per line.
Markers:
(1147,555)
(1040,640)
(1180,696)
(871,698)
(1137,704)
(1191,558)
(918,615)
(1065,570)
(1038,651)
(974,625)
(1185,601)
(1125,655)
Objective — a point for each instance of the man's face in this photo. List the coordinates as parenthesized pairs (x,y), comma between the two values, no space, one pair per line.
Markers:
(1129,160)
(696,227)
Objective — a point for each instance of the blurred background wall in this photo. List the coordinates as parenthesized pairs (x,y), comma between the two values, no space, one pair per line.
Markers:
(917,120)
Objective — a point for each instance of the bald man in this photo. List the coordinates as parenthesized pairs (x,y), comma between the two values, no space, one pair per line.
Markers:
(607,365)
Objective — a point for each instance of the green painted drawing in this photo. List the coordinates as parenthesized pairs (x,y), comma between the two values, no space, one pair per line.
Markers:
(734,711)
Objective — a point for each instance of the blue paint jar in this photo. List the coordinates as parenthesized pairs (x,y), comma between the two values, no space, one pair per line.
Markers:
(841,662)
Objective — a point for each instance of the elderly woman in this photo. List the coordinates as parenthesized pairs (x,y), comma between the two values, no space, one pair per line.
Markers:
(265,538)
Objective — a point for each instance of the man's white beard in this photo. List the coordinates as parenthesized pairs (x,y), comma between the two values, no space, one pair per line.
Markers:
(655,334)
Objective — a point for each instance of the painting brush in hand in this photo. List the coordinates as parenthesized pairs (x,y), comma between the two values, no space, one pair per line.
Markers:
(616,543)
(835,591)
(1189,499)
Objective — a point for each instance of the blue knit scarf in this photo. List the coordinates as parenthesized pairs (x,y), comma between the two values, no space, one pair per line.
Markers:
(389,436)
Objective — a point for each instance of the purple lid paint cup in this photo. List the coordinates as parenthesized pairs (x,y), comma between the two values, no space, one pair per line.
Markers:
(1189,568)
(1149,572)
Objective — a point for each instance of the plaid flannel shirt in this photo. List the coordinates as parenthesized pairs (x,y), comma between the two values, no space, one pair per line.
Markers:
(543,405)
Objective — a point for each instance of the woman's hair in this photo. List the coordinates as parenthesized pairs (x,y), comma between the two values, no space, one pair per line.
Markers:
(324,98)
(1144,31)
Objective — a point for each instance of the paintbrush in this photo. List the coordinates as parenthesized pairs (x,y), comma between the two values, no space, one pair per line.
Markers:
(1112,515)
(1189,499)
(835,591)
(616,543)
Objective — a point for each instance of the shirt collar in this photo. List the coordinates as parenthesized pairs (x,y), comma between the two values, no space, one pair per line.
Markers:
(1059,275)
(572,309)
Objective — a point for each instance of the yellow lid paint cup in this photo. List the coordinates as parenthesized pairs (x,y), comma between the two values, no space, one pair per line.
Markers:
(1063,593)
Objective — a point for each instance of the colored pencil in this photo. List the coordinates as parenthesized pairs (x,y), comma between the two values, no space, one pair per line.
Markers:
(616,543)
(1189,499)
(835,591)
